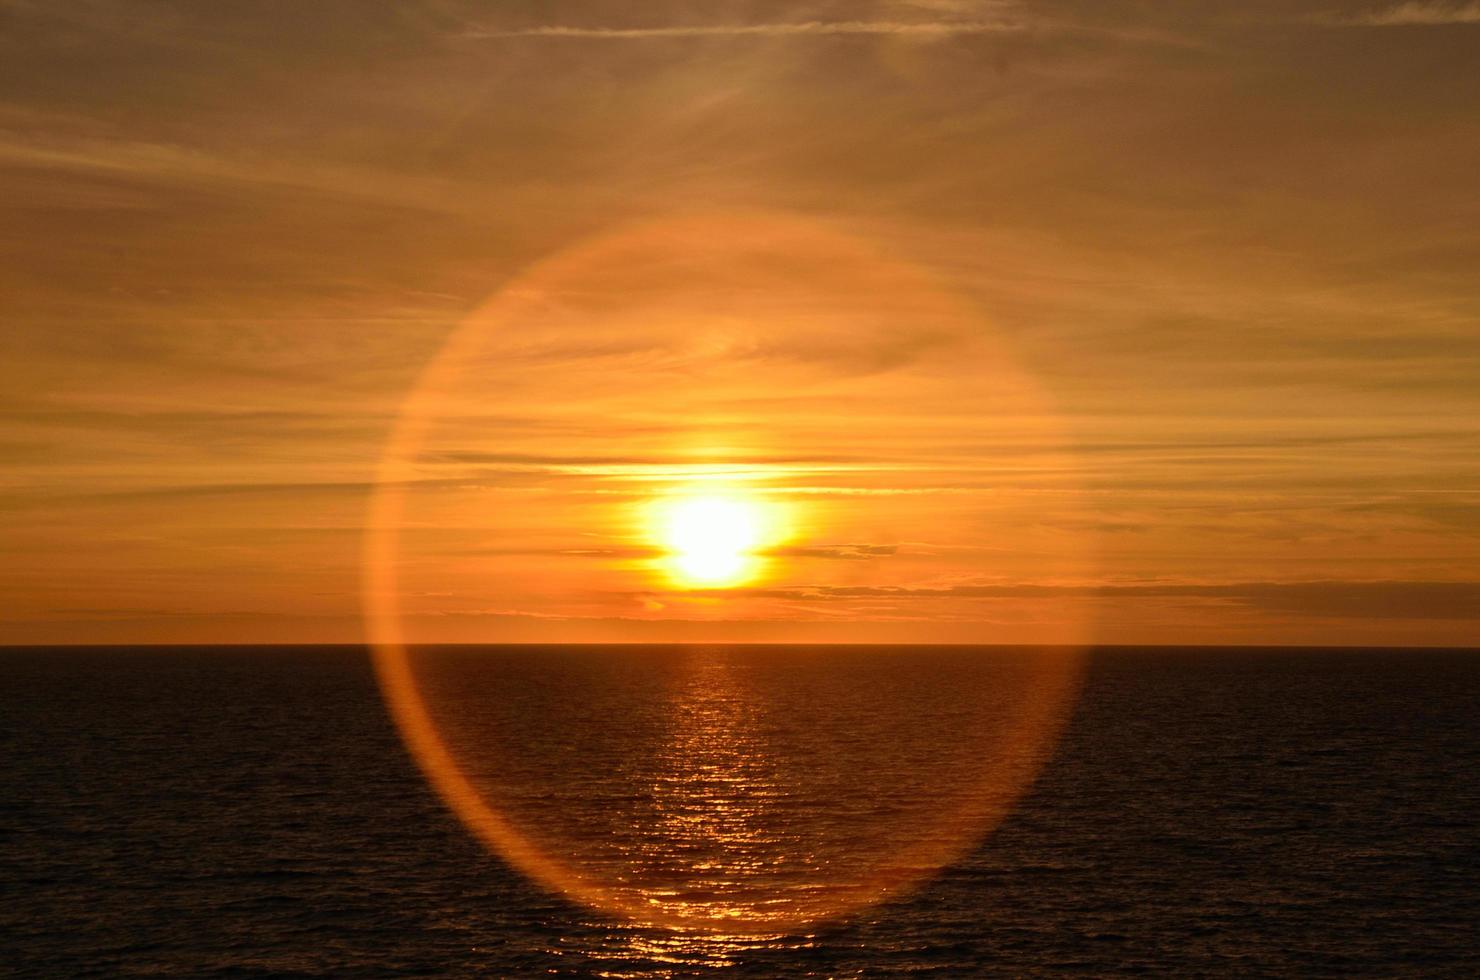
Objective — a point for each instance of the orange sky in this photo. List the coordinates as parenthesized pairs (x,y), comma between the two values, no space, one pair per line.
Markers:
(1021,321)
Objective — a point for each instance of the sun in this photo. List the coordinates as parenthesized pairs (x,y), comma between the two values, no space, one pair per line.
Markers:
(713,540)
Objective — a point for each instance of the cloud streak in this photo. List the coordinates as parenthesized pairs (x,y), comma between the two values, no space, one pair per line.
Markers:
(784,29)
(1361,600)
(1411,14)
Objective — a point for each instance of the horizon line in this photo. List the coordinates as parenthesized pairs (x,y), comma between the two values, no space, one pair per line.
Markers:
(369,647)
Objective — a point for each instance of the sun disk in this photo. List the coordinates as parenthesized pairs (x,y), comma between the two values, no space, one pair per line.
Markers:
(711,541)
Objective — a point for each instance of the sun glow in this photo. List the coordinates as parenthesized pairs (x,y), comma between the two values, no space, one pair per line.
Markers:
(713,540)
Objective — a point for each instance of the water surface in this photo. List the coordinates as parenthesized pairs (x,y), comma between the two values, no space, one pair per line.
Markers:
(241,812)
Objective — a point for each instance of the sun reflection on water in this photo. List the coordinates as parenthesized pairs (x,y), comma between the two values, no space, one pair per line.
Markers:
(635,953)
(714,788)
(726,791)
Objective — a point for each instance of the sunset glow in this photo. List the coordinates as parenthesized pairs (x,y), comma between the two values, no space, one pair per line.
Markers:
(822,237)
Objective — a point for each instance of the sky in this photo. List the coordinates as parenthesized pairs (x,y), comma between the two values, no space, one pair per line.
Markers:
(1149,322)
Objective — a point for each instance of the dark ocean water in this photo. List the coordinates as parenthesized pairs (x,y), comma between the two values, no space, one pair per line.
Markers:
(252,812)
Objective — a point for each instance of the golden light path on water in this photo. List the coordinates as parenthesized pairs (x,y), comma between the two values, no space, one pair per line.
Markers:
(706,429)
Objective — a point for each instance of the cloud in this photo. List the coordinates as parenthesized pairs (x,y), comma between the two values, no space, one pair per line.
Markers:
(46,496)
(654,460)
(1414,13)
(783,29)
(1360,600)
(840,552)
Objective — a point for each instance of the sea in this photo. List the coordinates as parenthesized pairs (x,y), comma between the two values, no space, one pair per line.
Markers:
(856,812)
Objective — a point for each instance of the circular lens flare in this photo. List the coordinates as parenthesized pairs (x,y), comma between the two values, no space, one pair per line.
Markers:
(549,448)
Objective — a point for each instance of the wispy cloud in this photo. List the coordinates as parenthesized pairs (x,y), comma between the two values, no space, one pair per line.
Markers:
(1363,600)
(782,29)
(1414,13)
(840,552)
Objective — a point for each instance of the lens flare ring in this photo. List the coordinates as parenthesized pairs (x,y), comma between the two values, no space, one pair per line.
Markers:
(710,538)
